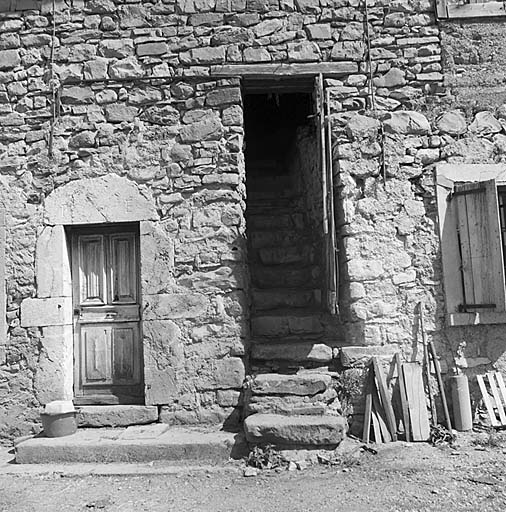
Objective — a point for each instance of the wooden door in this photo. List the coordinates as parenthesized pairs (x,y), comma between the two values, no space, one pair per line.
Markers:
(107,346)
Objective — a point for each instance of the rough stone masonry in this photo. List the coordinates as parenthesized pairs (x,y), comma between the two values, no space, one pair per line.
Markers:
(114,112)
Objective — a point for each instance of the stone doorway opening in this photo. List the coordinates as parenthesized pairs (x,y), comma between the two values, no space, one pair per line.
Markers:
(284,224)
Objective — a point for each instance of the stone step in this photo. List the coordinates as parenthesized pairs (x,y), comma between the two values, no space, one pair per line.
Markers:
(275,221)
(148,443)
(295,431)
(284,298)
(293,352)
(283,255)
(286,324)
(280,238)
(116,415)
(302,384)
(284,277)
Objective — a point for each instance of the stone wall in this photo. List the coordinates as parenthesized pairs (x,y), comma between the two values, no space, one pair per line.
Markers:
(105,87)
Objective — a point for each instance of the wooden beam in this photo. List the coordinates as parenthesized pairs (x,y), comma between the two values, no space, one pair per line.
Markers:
(278,71)
(404,399)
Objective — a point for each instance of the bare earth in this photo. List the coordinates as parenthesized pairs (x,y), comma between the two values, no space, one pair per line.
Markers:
(401,477)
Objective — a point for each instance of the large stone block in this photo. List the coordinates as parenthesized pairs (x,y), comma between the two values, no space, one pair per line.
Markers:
(47,311)
(356,357)
(227,373)
(407,122)
(295,430)
(52,265)
(54,375)
(116,415)
(157,264)
(109,198)
(9,59)
(163,359)
(317,352)
(175,305)
(209,128)
(302,384)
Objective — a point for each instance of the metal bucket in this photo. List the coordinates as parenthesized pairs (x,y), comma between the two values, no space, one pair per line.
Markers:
(59,425)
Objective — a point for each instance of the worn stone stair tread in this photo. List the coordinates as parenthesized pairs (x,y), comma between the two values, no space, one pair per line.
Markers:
(301,430)
(116,415)
(271,298)
(133,444)
(293,351)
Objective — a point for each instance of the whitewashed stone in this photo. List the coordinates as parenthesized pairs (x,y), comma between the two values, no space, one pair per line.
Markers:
(364,270)
(485,123)
(407,122)
(163,359)
(53,279)
(452,123)
(175,305)
(47,311)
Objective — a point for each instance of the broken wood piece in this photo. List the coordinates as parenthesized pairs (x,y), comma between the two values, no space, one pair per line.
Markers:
(495,393)
(381,417)
(376,428)
(496,400)
(404,401)
(416,400)
(385,398)
(502,388)
(440,383)
(487,401)
(426,358)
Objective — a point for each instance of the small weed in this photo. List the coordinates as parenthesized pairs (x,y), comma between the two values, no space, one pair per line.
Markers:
(265,457)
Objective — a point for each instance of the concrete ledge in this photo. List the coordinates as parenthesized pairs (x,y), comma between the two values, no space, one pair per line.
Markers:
(116,415)
(134,444)
(295,430)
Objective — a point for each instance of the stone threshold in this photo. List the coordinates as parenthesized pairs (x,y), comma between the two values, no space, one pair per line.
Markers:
(136,444)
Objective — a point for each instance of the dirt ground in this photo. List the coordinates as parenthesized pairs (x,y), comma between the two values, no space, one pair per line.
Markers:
(470,476)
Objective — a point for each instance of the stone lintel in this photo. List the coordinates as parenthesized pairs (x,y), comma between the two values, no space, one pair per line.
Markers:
(294,70)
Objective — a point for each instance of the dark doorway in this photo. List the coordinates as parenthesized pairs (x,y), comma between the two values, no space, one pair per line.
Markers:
(284,219)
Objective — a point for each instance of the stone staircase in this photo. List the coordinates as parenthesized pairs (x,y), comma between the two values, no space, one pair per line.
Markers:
(291,401)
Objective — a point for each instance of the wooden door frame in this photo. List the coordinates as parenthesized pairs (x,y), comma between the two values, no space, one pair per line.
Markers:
(73,232)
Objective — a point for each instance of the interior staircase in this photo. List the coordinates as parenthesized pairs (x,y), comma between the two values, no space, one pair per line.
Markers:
(291,401)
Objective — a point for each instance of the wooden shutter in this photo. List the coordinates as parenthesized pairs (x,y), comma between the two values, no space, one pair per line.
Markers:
(331,263)
(480,243)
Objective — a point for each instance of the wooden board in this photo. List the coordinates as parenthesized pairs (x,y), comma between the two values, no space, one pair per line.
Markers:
(404,401)
(417,405)
(381,417)
(368,410)
(376,428)
(385,398)
(487,401)
(502,388)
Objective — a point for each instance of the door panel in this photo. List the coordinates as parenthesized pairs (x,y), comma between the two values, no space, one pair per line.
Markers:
(96,341)
(123,266)
(91,257)
(108,350)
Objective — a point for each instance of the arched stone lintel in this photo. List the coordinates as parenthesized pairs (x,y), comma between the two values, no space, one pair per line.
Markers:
(109,198)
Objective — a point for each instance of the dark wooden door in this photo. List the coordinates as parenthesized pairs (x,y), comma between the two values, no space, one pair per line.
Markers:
(107,341)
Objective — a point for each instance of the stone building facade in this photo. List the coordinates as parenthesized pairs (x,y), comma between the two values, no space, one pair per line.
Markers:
(174,173)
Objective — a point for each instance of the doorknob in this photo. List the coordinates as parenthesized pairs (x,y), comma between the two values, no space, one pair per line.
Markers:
(77,311)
